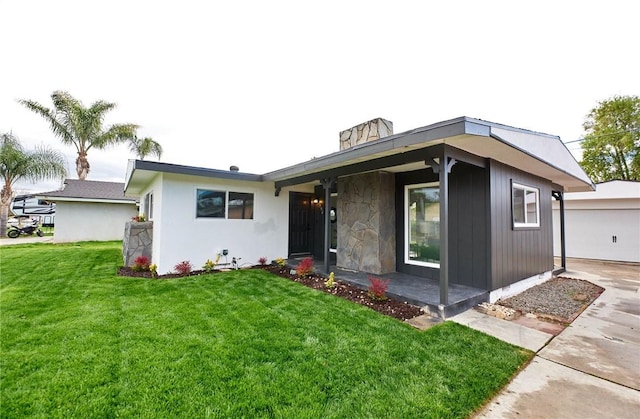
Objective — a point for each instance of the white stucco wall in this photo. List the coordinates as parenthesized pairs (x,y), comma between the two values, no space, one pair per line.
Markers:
(85,221)
(602,225)
(178,235)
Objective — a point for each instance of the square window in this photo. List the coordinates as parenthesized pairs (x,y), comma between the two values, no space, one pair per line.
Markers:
(240,206)
(210,204)
(525,204)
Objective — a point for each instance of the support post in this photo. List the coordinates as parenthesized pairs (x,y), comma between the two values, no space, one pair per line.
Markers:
(444,168)
(559,196)
(326,184)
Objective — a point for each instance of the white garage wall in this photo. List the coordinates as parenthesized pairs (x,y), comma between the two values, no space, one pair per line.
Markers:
(85,221)
(179,235)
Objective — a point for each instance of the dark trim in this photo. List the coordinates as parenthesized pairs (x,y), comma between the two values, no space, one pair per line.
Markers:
(367,166)
(326,185)
(193,171)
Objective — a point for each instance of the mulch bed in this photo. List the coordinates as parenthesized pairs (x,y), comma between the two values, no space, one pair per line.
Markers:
(389,307)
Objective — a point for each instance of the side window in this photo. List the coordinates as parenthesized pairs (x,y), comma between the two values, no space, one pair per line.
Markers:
(223,204)
(240,206)
(148,206)
(525,204)
(211,204)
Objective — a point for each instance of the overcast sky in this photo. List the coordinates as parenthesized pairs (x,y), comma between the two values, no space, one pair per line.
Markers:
(267,84)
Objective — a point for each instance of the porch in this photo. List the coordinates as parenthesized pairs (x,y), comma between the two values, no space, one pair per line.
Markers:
(422,292)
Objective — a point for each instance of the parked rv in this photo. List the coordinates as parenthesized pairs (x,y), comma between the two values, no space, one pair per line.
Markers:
(30,206)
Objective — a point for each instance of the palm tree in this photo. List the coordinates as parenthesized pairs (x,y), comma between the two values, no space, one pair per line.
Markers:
(144,146)
(81,127)
(17,163)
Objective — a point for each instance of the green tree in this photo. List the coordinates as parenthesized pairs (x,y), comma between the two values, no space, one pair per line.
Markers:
(145,146)
(81,127)
(611,146)
(18,164)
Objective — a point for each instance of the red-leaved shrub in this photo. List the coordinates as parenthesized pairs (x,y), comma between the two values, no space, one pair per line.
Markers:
(305,267)
(141,263)
(184,267)
(378,289)
(262,261)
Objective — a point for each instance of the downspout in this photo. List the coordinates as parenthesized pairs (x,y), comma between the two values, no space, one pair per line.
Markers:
(559,196)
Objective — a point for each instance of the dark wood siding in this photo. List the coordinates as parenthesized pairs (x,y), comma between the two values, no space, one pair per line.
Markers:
(517,254)
(468,240)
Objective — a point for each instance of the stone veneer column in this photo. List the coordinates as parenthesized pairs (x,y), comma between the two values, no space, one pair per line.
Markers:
(367,131)
(366,223)
(138,238)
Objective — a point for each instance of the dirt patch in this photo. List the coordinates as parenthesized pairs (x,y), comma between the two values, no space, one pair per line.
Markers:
(389,307)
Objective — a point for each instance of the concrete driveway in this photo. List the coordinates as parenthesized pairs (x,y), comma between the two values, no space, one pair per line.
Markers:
(592,369)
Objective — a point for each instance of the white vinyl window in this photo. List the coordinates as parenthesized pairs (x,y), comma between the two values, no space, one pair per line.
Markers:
(525,206)
(422,224)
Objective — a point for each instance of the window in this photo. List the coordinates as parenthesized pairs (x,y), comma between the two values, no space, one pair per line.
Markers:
(147,208)
(240,206)
(525,206)
(211,204)
(422,224)
(223,204)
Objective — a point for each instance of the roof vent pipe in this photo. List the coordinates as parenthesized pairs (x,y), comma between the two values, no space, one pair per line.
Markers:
(234,168)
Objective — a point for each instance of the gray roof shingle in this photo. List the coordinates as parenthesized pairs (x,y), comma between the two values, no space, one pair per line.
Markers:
(89,190)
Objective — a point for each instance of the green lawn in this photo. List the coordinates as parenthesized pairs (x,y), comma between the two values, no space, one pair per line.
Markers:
(79,341)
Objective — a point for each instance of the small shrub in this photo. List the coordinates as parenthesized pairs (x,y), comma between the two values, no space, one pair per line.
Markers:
(262,261)
(281,262)
(378,289)
(141,264)
(305,267)
(153,268)
(209,265)
(331,282)
(184,267)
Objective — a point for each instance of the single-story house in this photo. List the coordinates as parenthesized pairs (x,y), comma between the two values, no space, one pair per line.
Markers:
(604,224)
(462,203)
(90,210)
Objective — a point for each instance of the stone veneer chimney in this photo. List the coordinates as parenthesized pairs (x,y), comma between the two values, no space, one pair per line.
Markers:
(366,223)
(367,131)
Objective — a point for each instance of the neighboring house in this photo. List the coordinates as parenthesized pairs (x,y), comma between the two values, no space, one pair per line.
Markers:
(604,224)
(462,202)
(90,210)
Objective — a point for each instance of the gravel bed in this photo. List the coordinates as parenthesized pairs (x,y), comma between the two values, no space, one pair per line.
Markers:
(562,298)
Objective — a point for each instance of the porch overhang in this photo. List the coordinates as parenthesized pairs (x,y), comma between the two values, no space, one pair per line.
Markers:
(473,140)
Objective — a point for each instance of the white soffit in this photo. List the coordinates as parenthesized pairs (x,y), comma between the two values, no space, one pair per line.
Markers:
(547,148)
(495,149)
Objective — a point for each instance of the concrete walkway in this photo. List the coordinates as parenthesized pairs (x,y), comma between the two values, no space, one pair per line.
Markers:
(26,240)
(591,369)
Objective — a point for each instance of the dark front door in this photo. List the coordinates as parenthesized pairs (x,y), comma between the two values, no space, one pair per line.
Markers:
(300,223)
